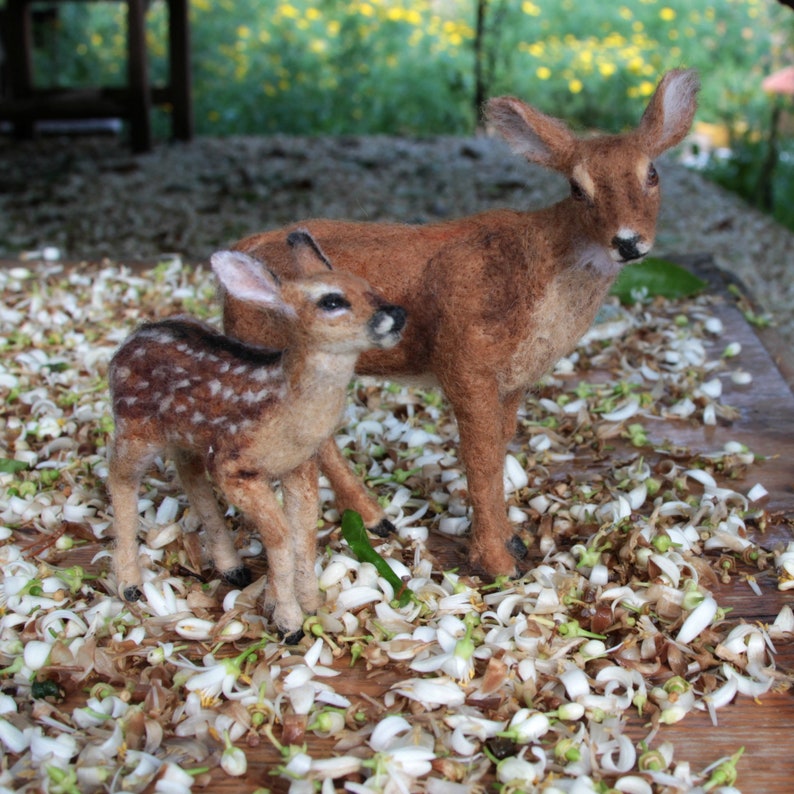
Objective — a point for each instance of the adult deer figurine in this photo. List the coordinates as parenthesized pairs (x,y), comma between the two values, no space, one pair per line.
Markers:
(246,414)
(497,298)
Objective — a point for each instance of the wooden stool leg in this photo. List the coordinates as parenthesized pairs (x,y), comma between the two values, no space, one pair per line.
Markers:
(138,69)
(179,66)
(19,44)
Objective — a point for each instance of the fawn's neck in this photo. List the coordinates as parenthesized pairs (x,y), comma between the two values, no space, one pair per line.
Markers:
(317,383)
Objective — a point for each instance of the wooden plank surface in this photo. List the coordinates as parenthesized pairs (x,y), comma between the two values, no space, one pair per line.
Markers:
(766,424)
(763,727)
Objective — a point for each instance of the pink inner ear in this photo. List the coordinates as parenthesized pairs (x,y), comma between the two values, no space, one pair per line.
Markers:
(245,278)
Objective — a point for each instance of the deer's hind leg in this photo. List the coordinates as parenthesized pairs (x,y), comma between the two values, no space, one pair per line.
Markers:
(128,460)
(253,494)
(193,476)
(350,492)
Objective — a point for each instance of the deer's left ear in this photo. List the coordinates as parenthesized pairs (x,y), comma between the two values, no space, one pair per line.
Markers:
(307,256)
(670,112)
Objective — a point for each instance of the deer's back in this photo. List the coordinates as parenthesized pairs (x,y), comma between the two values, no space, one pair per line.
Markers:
(445,274)
(182,383)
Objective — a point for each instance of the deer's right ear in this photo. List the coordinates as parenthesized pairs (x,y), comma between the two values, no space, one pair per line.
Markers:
(246,279)
(307,256)
(531,134)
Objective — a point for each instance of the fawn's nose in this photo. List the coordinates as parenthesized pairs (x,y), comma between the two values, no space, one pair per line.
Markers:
(628,246)
(388,321)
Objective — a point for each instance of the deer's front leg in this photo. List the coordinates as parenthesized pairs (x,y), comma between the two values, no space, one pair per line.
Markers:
(301,501)
(482,423)
(253,494)
(349,491)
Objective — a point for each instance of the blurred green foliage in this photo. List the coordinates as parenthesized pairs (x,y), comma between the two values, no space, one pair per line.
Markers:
(407,66)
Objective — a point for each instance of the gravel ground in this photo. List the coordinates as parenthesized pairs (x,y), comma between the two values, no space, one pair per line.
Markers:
(92,199)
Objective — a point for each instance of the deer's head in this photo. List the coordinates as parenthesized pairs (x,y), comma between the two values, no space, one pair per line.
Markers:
(327,310)
(615,194)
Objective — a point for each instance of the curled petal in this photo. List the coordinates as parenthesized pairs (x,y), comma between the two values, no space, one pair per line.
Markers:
(698,620)
(387,730)
(432,692)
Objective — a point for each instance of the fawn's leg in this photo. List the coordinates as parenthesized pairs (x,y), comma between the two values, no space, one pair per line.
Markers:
(126,464)
(193,476)
(253,494)
(300,508)
(350,492)
(481,424)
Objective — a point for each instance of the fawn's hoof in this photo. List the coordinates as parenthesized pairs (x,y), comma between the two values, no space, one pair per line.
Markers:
(290,638)
(517,547)
(383,528)
(238,577)
(132,593)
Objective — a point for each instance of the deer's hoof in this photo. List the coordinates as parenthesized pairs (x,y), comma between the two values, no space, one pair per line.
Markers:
(132,593)
(517,547)
(290,638)
(383,528)
(238,577)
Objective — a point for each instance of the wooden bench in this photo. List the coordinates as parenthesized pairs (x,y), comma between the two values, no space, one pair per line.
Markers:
(23,104)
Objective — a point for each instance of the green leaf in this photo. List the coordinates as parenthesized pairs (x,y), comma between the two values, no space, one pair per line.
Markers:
(355,533)
(655,277)
(9,466)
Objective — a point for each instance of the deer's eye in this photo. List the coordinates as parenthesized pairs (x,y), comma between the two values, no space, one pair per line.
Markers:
(578,192)
(653,176)
(333,301)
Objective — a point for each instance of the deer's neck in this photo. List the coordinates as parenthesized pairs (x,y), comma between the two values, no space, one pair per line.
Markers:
(317,383)
(311,409)
(571,252)
(565,287)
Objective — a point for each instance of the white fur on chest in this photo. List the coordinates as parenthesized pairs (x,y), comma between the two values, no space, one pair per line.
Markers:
(559,319)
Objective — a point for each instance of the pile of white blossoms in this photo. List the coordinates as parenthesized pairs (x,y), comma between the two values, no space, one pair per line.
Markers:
(561,681)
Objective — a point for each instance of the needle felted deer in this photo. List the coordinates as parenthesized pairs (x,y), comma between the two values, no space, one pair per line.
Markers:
(246,414)
(497,298)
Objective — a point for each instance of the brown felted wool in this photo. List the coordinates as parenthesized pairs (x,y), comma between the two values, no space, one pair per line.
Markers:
(495,299)
(246,414)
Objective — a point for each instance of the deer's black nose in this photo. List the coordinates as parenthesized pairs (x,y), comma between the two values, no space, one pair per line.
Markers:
(398,315)
(629,248)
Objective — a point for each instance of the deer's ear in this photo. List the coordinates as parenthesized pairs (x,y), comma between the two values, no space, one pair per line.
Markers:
(247,279)
(670,112)
(539,138)
(307,256)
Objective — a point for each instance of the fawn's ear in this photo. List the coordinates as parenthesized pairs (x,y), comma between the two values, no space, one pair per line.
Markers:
(539,138)
(669,114)
(307,256)
(248,280)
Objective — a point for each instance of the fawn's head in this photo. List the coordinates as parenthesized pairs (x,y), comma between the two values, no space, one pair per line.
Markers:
(614,199)
(327,311)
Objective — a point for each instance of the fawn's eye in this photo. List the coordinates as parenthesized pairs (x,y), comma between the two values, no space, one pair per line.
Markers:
(653,176)
(333,301)
(577,191)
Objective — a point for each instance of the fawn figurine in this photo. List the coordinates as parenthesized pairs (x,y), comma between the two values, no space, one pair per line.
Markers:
(246,414)
(497,298)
